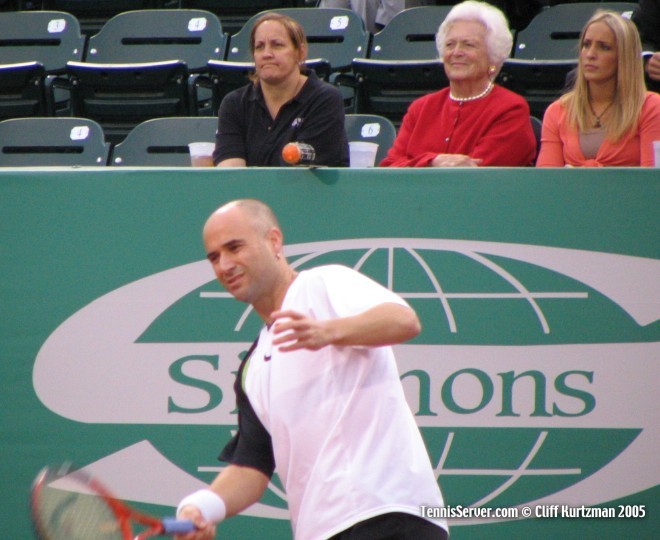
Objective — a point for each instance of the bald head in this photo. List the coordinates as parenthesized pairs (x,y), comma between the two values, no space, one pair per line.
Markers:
(259,214)
(244,245)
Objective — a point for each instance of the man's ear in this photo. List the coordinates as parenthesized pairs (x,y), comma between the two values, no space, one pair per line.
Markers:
(276,240)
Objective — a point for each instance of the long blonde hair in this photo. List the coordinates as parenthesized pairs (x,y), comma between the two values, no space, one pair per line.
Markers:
(630,90)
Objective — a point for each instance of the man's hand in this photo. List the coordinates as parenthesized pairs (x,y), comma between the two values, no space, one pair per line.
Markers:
(205,530)
(388,323)
(653,66)
(296,331)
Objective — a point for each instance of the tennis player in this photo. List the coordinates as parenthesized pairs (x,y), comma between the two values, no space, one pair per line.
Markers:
(319,396)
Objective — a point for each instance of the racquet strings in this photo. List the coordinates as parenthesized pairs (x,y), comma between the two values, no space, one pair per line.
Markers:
(68,514)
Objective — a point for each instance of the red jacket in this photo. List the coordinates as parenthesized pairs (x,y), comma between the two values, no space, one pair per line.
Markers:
(495,128)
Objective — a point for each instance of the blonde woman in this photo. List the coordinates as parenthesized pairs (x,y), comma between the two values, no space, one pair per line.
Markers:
(608,119)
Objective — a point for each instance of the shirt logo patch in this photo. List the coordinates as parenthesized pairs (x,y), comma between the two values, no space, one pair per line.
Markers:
(297,122)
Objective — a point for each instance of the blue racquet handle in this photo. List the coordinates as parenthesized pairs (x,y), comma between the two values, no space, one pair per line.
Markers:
(177,526)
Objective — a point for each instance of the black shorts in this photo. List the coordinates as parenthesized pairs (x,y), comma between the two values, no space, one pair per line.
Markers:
(393,526)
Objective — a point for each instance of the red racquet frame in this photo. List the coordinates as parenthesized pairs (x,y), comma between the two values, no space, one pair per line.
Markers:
(123,513)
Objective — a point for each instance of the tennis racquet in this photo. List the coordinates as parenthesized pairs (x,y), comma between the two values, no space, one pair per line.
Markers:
(70,505)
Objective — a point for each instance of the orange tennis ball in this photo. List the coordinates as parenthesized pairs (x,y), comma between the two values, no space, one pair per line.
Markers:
(291,153)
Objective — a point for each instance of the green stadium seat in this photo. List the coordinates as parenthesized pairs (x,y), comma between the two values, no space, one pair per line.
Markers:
(402,64)
(371,128)
(163,142)
(34,142)
(135,70)
(35,47)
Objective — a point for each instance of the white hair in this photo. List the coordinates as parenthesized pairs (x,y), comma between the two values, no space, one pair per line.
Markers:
(499,39)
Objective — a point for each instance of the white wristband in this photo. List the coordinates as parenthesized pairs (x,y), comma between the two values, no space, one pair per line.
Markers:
(209,503)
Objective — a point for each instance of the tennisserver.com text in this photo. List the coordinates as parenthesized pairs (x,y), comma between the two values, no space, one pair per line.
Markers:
(468,512)
(540,511)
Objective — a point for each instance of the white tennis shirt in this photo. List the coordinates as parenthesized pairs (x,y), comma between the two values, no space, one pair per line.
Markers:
(345,442)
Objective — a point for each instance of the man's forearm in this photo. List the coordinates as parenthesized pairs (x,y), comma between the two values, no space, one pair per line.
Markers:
(239,487)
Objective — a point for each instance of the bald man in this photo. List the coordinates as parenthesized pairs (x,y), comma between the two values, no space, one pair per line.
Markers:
(319,395)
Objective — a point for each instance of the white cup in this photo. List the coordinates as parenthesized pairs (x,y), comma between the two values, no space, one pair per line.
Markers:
(656,153)
(363,154)
(201,154)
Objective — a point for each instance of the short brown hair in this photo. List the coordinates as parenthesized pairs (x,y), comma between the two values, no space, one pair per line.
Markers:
(293,28)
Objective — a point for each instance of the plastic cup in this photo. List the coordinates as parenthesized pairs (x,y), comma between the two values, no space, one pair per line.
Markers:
(656,153)
(201,154)
(362,154)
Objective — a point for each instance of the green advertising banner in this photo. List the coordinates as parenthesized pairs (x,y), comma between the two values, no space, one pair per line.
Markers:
(534,381)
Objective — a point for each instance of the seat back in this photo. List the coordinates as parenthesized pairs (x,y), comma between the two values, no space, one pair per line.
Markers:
(371,128)
(93,14)
(120,96)
(540,82)
(334,34)
(135,70)
(410,35)
(155,35)
(22,90)
(402,64)
(554,33)
(234,14)
(388,87)
(163,142)
(32,142)
(233,7)
(51,38)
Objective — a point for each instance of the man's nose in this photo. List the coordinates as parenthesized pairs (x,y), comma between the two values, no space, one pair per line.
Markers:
(222,265)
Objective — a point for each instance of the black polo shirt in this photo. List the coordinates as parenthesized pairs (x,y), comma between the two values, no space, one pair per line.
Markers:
(315,116)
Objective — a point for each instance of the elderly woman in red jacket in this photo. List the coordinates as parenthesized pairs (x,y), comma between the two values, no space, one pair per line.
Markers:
(473,122)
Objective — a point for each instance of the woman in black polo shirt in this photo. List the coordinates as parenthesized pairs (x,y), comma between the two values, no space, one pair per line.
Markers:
(283,104)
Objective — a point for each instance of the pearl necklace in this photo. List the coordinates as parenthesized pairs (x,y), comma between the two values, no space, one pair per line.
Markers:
(472,98)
